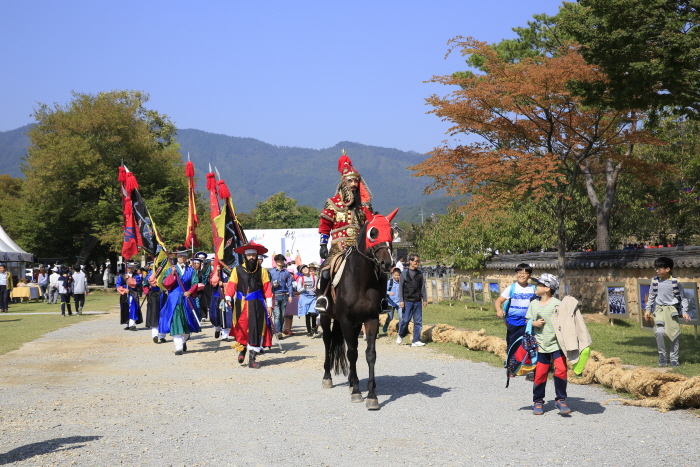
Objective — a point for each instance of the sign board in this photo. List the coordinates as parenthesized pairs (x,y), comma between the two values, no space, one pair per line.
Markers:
(304,243)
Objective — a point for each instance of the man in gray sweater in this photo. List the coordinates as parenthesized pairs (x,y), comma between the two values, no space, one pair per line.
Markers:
(668,298)
(80,288)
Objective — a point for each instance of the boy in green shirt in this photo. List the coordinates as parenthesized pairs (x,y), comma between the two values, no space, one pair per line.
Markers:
(548,351)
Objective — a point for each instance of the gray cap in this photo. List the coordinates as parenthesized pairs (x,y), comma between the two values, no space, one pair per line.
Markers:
(548,280)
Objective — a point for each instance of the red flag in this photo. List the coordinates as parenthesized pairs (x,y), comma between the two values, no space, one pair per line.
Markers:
(214,211)
(130,246)
(192,219)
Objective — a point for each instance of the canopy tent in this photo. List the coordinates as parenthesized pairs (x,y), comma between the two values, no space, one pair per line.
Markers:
(13,256)
(10,251)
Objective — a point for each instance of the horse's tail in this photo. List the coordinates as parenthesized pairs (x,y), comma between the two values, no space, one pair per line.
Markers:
(339,361)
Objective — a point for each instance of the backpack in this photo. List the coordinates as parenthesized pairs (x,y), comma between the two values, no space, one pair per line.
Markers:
(692,308)
(506,304)
(522,355)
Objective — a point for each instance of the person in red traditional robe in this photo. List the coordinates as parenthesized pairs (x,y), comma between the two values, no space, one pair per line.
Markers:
(341,219)
(250,288)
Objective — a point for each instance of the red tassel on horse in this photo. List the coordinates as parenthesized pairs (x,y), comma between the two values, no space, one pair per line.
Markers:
(189,169)
(223,190)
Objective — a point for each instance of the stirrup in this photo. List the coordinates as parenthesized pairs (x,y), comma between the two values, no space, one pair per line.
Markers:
(321,304)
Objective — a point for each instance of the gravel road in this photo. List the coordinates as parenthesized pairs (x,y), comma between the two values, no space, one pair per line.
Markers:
(92,394)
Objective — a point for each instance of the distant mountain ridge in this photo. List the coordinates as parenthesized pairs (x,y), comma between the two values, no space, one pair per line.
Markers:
(255,170)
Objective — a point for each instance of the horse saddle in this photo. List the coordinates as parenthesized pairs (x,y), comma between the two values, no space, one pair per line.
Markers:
(337,268)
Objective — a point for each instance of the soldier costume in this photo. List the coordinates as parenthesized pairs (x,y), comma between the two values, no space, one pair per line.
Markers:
(250,285)
(177,316)
(155,299)
(128,285)
(341,219)
(205,293)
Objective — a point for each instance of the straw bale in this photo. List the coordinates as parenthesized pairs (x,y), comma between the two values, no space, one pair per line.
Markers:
(443,333)
(426,334)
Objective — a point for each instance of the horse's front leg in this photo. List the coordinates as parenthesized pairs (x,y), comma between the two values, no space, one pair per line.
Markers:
(350,332)
(327,337)
(371,329)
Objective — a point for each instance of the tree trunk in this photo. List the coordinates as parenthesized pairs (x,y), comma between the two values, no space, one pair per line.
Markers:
(561,252)
(603,209)
(89,244)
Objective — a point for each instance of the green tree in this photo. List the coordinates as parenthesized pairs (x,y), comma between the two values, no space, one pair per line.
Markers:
(543,39)
(667,212)
(648,50)
(10,191)
(280,212)
(71,198)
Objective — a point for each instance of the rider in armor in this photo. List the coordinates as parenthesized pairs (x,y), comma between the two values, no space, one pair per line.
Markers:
(341,219)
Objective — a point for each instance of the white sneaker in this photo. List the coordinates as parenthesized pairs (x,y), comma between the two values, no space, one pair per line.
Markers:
(399,340)
(418,344)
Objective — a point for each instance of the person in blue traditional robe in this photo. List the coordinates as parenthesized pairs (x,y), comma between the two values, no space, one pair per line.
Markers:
(178,315)
(128,285)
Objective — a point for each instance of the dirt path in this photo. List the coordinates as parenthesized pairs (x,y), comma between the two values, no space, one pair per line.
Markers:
(93,394)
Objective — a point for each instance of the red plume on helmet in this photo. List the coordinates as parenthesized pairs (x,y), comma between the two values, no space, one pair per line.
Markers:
(345,167)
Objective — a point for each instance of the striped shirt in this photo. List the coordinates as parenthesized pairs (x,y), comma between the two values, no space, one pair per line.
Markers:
(546,337)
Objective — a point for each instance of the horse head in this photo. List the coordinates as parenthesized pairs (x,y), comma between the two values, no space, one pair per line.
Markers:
(376,239)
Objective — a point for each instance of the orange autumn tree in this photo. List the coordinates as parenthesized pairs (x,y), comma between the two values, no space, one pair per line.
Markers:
(536,139)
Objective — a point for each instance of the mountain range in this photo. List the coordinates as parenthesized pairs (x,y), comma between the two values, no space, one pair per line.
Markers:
(255,170)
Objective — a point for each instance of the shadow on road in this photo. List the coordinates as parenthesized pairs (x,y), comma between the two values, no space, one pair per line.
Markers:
(576,404)
(264,360)
(44,447)
(398,386)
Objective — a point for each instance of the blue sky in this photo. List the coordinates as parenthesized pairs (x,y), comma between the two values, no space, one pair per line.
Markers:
(292,73)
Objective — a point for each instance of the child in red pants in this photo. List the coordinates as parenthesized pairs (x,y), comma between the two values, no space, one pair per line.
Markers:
(549,351)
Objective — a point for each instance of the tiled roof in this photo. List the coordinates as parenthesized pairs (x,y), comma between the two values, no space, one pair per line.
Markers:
(688,256)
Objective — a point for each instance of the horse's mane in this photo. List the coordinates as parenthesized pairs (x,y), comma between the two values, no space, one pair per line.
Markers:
(361,239)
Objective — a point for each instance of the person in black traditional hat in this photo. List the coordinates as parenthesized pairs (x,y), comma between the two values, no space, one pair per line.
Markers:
(250,286)
(155,299)
(204,293)
(128,285)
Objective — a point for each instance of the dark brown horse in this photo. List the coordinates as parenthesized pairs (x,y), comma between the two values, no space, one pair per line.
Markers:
(358,301)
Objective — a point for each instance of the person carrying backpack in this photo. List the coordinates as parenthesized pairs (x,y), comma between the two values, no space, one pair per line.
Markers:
(549,351)
(513,303)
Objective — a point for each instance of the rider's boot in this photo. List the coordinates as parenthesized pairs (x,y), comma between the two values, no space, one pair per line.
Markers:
(321,299)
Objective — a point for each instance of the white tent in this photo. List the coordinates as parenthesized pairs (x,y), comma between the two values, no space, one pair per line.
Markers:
(10,251)
(13,256)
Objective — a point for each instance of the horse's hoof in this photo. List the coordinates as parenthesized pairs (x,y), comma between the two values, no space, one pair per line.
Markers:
(372,404)
(327,383)
(356,398)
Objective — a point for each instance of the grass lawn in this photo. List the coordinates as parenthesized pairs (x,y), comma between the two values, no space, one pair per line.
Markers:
(16,329)
(625,339)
